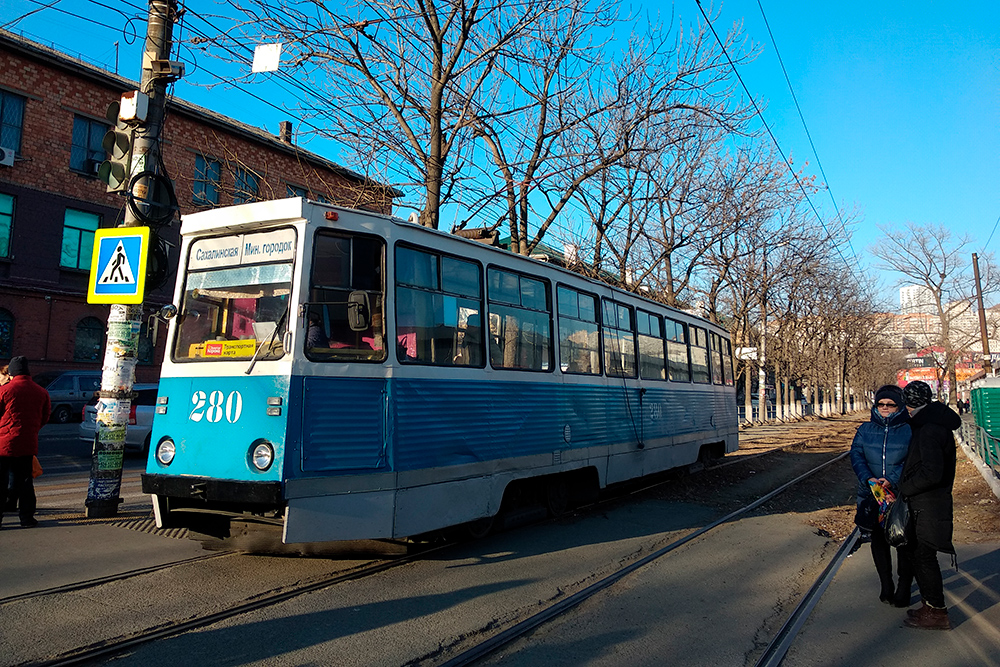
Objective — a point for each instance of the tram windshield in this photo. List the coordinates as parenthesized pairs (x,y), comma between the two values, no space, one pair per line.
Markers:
(233,312)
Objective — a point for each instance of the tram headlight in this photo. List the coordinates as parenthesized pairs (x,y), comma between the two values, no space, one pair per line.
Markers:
(165,451)
(261,455)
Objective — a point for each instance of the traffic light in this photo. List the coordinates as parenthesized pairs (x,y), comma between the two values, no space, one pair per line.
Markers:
(116,170)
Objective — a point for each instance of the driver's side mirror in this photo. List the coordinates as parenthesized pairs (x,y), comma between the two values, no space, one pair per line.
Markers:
(358,311)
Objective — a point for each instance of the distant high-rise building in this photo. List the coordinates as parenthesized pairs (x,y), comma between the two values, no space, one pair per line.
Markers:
(916,299)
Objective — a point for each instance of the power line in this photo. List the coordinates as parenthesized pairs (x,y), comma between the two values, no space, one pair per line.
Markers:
(795,100)
(991,234)
(774,139)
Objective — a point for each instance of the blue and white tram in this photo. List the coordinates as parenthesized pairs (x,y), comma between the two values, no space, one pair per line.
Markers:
(355,376)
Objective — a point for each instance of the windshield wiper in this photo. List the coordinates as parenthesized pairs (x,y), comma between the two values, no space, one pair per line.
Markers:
(270,341)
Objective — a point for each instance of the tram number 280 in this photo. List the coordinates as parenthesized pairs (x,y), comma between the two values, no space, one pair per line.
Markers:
(215,406)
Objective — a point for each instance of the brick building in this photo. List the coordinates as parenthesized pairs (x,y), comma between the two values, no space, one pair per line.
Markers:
(52,123)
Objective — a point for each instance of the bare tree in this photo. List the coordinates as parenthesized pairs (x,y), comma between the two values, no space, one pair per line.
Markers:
(579,109)
(929,256)
(395,82)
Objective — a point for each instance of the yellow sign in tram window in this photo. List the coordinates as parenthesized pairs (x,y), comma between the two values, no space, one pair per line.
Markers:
(118,267)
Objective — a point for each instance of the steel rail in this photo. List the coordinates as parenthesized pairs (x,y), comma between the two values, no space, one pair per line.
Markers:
(782,641)
(111,647)
(90,583)
(529,624)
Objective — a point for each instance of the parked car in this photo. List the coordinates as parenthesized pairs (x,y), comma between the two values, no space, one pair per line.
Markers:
(69,391)
(140,419)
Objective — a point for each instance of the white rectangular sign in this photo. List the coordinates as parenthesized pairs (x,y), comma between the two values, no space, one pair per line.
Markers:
(242,249)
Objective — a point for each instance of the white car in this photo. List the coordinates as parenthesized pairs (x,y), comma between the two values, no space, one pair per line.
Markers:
(140,419)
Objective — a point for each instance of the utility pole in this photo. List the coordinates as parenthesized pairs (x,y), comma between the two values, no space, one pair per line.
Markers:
(143,183)
(987,362)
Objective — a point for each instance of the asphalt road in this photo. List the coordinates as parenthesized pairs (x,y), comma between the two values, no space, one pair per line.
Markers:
(60,451)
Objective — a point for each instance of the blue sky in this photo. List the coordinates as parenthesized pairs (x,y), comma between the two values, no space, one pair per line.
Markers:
(901,99)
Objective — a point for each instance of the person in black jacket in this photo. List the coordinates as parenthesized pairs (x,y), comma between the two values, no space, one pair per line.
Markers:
(926,482)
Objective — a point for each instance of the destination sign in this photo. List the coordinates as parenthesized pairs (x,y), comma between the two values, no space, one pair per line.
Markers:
(242,249)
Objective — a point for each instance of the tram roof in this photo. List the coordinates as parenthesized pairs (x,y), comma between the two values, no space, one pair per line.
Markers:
(292,210)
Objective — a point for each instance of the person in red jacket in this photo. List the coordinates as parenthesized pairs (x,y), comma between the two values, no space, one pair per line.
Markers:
(24,409)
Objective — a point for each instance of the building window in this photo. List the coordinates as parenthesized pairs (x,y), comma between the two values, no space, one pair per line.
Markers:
(11,120)
(78,239)
(520,322)
(6,223)
(438,318)
(89,340)
(87,152)
(296,191)
(207,178)
(247,186)
(6,334)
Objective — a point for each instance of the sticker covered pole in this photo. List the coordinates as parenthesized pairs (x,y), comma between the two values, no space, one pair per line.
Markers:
(116,273)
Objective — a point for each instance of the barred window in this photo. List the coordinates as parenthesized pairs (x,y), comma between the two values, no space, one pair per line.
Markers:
(11,120)
(247,186)
(89,341)
(207,180)
(520,322)
(6,333)
(579,345)
(87,151)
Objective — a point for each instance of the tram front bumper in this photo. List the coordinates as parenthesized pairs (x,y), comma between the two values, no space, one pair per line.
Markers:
(210,490)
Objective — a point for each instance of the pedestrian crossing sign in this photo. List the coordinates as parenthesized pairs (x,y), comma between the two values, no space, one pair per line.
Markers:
(118,267)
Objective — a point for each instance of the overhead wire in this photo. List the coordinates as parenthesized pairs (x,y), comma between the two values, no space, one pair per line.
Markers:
(293,81)
(985,245)
(774,140)
(798,108)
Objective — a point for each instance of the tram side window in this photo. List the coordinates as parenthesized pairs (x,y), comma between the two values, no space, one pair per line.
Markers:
(343,264)
(520,322)
(716,343)
(699,356)
(438,309)
(579,345)
(652,363)
(619,340)
(678,362)
(727,362)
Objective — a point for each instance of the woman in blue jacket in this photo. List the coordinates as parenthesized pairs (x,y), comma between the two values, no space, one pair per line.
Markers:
(877,454)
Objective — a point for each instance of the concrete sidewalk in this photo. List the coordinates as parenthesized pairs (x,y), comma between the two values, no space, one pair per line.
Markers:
(850,626)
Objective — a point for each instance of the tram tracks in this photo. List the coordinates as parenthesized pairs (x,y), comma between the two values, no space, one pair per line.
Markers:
(118,645)
(111,578)
(775,651)
(111,647)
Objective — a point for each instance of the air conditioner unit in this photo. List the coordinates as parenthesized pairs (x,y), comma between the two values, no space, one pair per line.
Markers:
(6,156)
